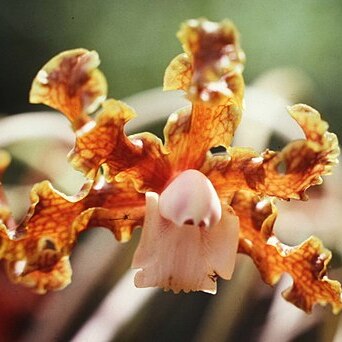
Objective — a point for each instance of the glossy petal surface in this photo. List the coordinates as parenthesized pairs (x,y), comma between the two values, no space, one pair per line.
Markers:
(42,281)
(104,141)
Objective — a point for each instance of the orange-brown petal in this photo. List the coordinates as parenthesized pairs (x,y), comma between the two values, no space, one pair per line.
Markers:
(42,281)
(152,170)
(139,158)
(104,141)
(215,54)
(306,263)
(191,132)
(71,83)
(178,73)
(285,174)
(116,206)
(46,234)
(54,221)
(210,73)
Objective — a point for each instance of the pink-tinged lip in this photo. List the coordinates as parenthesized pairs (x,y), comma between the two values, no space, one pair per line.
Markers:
(185,257)
(190,199)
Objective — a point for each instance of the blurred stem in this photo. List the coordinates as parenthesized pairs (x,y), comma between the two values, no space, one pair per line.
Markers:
(225,310)
(331,325)
(5,214)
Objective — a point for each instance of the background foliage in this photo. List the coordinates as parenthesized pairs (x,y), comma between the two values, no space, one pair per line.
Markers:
(136,40)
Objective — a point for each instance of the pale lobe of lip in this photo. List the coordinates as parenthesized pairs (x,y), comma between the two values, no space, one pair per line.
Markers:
(184,258)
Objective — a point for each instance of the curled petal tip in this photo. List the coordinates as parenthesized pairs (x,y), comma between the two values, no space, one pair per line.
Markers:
(71,83)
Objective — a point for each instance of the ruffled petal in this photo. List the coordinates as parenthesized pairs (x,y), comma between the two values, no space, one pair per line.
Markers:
(43,281)
(116,206)
(43,238)
(306,263)
(215,53)
(210,73)
(50,230)
(139,158)
(71,83)
(104,141)
(151,170)
(187,258)
(285,174)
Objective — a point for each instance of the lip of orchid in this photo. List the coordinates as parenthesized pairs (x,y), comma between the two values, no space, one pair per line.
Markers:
(191,199)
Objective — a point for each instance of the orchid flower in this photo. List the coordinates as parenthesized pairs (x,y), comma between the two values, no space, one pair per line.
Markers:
(197,207)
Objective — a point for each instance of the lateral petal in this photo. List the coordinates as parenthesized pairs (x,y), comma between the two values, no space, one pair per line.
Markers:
(71,83)
(151,170)
(47,235)
(303,162)
(306,263)
(43,281)
(104,141)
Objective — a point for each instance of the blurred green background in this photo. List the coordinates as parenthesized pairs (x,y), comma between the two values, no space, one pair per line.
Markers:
(136,40)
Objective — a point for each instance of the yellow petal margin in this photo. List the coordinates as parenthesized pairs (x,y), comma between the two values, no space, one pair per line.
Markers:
(37,251)
(306,263)
(140,158)
(210,72)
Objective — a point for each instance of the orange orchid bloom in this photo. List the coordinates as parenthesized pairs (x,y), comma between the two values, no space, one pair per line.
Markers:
(197,208)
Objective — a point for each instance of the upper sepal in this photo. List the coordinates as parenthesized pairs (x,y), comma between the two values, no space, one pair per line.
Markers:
(212,59)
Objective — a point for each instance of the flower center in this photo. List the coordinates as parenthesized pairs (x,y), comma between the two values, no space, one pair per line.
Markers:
(191,199)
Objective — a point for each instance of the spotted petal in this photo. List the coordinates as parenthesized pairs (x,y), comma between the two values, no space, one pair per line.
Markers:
(306,263)
(212,53)
(104,141)
(210,73)
(42,281)
(285,174)
(71,83)
(211,122)
(47,235)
